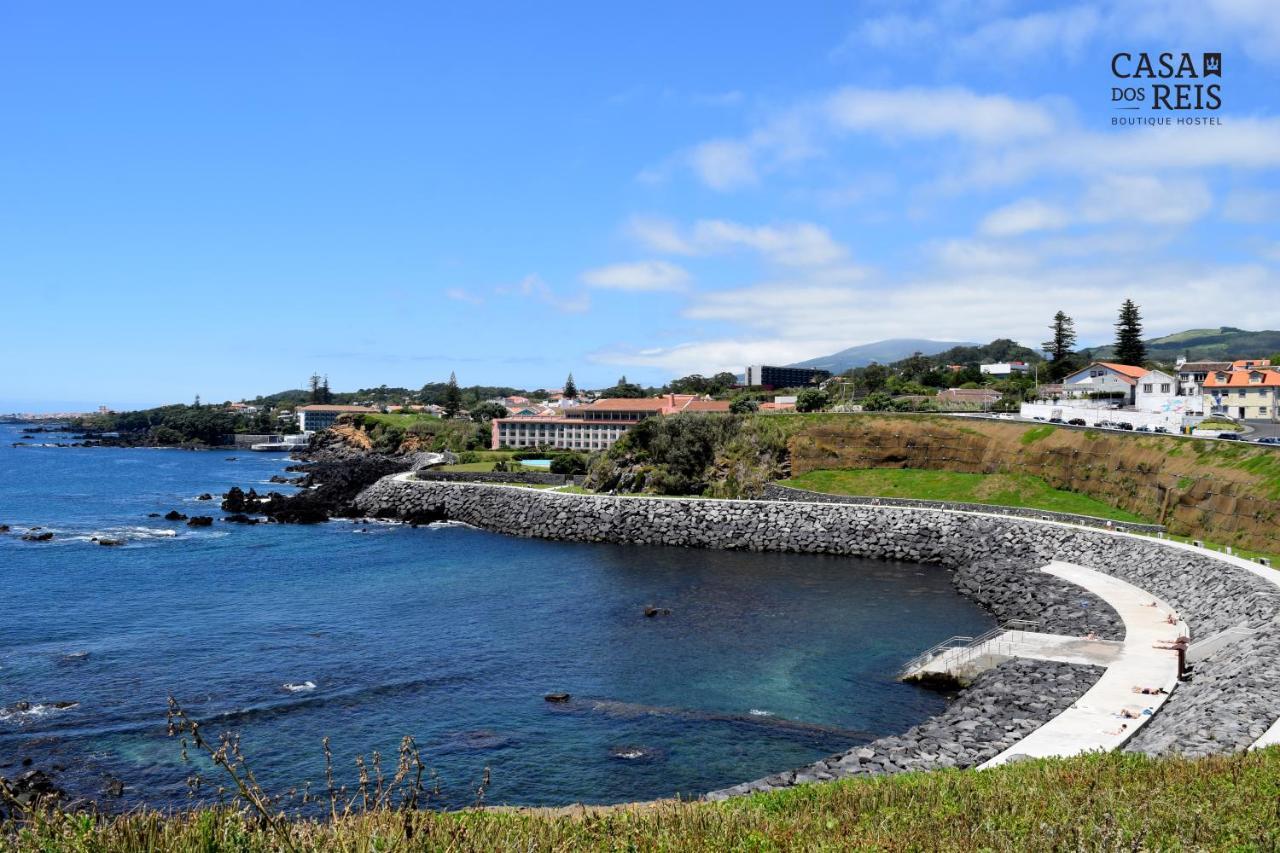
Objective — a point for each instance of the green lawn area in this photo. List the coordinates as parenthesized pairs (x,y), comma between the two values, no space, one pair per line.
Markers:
(1019,490)
(1115,801)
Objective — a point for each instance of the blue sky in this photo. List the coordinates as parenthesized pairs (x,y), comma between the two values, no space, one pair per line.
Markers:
(221,201)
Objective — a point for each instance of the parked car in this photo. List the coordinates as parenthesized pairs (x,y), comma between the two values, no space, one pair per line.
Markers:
(1268,439)
(1125,425)
(1229,436)
(1076,422)
(1164,430)
(1143,428)
(1038,418)
(1056,420)
(1105,425)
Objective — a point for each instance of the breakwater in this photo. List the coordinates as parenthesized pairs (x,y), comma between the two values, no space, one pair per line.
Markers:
(1233,699)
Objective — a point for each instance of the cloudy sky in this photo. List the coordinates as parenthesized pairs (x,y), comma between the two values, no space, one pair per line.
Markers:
(220,201)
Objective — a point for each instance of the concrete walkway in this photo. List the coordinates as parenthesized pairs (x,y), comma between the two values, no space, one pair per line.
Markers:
(967,662)
(1094,721)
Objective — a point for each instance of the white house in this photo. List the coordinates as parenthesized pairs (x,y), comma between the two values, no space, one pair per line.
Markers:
(1158,392)
(1004,368)
(1105,378)
(1191,375)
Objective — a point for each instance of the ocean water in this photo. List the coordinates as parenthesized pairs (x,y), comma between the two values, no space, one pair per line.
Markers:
(446,633)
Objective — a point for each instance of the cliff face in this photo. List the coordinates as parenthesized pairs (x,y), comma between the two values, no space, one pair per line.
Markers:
(1218,491)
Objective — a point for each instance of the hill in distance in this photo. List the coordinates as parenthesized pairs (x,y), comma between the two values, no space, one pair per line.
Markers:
(881,352)
(1221,344)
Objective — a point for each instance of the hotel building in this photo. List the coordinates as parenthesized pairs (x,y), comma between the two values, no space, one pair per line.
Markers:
(596,426)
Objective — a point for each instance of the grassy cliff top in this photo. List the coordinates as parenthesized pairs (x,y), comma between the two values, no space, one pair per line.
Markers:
(1113,801)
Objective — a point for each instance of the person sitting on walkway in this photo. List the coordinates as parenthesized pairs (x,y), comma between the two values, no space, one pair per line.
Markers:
(1119,731)
(1150,691)
(1179,644)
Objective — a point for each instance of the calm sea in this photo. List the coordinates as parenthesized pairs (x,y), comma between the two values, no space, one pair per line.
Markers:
(446,633)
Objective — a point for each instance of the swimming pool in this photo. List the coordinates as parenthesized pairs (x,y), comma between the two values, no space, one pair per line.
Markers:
(537,463)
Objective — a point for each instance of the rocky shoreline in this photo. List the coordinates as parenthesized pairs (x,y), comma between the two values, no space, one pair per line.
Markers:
(1002,706)
(995,559)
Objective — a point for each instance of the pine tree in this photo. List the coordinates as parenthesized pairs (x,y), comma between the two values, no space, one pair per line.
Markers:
(1064,337)
(1129,346)
(570,390)
(314,384)
(326,396)
(452,396)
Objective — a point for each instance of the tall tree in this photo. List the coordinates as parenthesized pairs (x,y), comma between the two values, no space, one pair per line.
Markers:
(570,389)
(1129,346)
(326,396)
(1064,337)
(314,384)
(452,396)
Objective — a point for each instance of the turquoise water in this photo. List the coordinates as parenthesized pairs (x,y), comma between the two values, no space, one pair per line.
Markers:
(446,633)
(537,463)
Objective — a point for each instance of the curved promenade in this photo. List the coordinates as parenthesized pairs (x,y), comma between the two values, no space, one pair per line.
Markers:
(1232,703)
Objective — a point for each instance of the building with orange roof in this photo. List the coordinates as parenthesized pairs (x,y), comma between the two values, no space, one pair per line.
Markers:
(1251,364)
(1251,394)
(1104,378)
(593,426)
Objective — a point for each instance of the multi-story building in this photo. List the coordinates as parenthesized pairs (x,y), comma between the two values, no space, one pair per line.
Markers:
(1104,378)
(1191,375)
(316,417)
(1245,394)
(769,376)
(593,427)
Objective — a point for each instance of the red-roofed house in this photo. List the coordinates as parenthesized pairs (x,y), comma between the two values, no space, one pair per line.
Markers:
(1249,394)
(1104,377)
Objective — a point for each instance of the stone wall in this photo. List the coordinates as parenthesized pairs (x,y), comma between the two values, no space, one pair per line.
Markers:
(1239,684)
(775,492)
(539,478)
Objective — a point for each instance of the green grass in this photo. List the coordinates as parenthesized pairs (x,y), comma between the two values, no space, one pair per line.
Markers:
(1017,490)
(1115,801)
(1034,434)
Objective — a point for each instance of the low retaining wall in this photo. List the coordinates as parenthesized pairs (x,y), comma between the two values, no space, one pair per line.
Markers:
(775,492)
(1236,692)
(537,478)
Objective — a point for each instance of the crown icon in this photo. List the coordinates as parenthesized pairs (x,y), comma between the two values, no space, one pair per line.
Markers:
(1213,65)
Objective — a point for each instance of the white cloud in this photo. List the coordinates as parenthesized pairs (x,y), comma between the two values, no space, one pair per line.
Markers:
(457,294)
(1125,199)
(1252,207)
(1145,199)
(639,276)
(533,287)
(938,113)
(1066,31)
(724,164)
(791,321)
(800,244)
(1028,214)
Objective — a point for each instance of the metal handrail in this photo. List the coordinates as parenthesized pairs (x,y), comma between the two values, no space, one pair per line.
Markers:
(968,646)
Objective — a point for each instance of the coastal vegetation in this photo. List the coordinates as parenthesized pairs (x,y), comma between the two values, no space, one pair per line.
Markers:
(1098,801)
(1018,490)
(178,424)
(1216,491)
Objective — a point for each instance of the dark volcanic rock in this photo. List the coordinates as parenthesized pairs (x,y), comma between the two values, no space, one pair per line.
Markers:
(200,521)
(29,789)
(174,515)
(240,518)
(331,490)
(37,535)
(205,497)
(557,697)
(4,528)
(109,543)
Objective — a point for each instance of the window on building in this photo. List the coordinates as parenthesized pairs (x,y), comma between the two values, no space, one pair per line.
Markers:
(1147,387)
(1164,387)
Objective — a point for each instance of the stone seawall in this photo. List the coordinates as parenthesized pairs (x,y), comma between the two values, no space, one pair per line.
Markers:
(538,478)
(775,492)
(1233,699)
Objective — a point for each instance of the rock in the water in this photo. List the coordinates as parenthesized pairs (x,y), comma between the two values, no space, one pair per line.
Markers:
(110,542)
(205,497)
(174,515)
(200,521)
(651,611)
(240,518)
(557,697)
(38,535)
